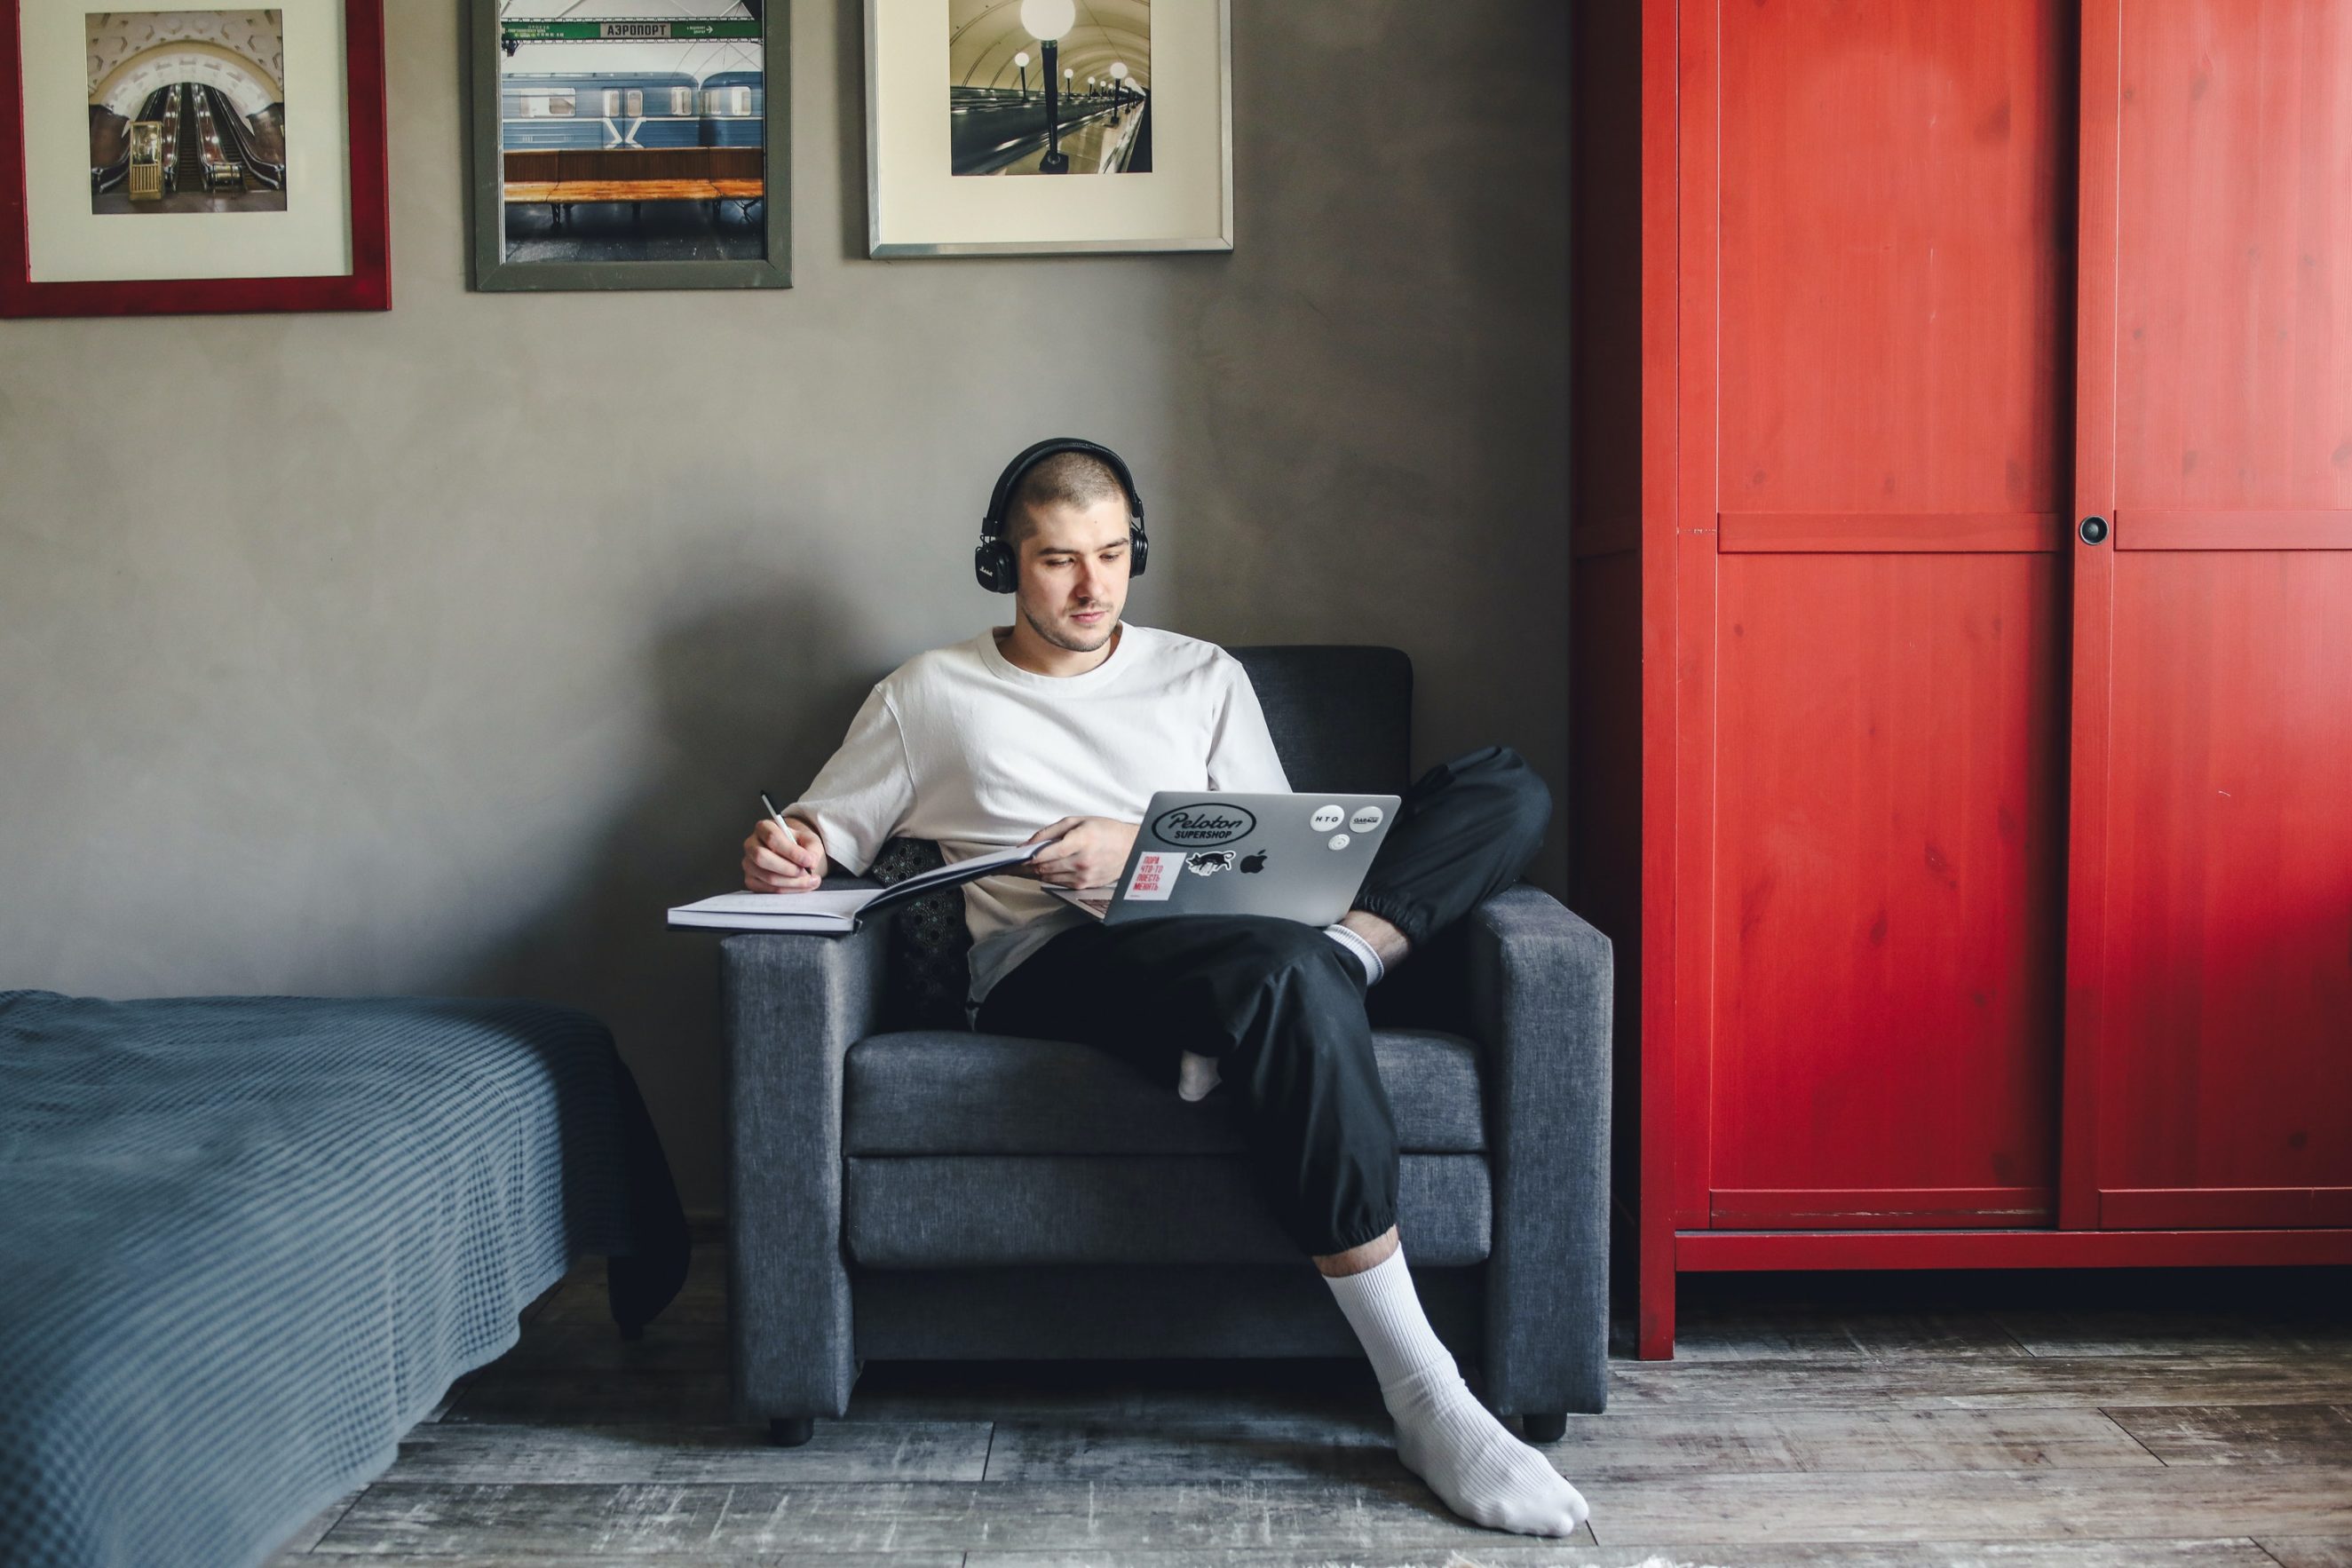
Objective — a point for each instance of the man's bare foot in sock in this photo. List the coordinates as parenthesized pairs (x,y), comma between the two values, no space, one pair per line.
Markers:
(1196,1075)
(1474,1464)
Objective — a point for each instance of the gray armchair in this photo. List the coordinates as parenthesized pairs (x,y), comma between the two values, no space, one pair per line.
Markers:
(900,1187)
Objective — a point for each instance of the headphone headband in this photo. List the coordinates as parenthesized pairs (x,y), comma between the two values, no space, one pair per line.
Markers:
(993,561)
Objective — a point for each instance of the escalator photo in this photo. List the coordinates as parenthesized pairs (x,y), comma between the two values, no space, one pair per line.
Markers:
(1049,87)
(187,111)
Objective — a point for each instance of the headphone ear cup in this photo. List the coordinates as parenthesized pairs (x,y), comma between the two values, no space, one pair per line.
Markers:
(992,564)
(1139,552)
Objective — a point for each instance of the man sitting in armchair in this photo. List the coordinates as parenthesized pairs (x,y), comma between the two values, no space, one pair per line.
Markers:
(1059,727)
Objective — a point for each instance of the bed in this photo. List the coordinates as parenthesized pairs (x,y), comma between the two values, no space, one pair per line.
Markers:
(246,1242)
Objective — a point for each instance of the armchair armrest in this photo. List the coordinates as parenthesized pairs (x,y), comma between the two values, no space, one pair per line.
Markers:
(790,1008)
(1539,999)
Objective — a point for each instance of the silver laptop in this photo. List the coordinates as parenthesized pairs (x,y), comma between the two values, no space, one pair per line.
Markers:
(1300,856)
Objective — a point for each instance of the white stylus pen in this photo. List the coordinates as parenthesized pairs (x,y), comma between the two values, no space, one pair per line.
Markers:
(779,816)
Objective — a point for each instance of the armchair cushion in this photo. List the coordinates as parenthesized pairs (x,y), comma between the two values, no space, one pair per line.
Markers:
(948,1091)
(970,1211)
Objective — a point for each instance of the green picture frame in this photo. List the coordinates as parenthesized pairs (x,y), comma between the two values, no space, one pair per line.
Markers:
(494,272)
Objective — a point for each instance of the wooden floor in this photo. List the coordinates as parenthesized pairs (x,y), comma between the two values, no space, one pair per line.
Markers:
(1892,1421)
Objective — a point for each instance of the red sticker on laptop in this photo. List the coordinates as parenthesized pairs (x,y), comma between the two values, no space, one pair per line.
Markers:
(1154,871)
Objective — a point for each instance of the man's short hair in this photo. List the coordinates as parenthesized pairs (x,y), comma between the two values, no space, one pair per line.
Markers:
(1065,479)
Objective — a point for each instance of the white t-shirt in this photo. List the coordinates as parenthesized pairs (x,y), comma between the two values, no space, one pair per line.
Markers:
(961,746)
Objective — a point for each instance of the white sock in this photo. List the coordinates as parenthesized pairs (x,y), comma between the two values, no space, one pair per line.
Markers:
(1362,952)
(1444,1434)
(1196,1075)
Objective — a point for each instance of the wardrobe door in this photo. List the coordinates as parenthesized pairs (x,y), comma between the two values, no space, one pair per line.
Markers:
(1874,253)
(2209,952)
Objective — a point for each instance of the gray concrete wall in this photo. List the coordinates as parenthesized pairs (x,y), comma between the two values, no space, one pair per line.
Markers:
(474,670)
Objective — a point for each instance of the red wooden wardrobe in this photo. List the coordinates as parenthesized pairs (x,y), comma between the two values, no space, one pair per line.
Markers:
(1963,628)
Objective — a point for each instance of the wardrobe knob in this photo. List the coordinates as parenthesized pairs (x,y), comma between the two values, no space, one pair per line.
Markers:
(2095,529)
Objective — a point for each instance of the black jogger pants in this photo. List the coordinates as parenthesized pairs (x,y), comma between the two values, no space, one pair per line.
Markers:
(1281,1005)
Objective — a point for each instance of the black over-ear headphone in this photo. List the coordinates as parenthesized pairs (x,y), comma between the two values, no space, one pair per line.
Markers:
(992,559)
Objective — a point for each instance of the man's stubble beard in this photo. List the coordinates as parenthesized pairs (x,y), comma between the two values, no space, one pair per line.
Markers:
(1111,629)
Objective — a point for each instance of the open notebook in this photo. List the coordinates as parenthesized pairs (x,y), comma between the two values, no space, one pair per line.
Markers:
(838,909)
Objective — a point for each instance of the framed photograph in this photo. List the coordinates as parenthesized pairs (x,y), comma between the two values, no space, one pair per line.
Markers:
(631,144)
(164,160)
(1016,127)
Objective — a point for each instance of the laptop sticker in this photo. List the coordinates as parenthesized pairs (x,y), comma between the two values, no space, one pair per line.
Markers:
(1366,818)
(1209,862)
(1152,875)
(1326,818)
(1210,822)
(1338,841)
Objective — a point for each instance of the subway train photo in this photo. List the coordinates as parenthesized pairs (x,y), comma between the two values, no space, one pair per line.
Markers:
(632,138)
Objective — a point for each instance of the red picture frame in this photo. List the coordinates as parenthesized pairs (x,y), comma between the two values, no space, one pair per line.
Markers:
(367,287)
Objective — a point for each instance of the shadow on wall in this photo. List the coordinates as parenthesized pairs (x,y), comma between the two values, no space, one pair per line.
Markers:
(751,696)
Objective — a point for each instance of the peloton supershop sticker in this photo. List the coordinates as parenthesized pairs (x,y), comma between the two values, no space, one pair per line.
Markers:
(1326,818)
(1153,871)
(1366,818)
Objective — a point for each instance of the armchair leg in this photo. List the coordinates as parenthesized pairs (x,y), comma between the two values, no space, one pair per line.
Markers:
(1546,1425)
(790,1431)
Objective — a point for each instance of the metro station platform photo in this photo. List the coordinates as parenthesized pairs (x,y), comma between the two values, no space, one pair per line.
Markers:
(632,139)
(1078,104)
